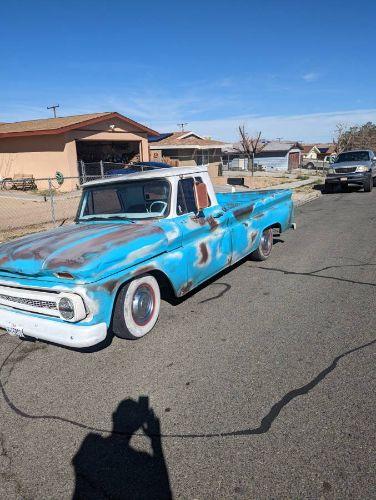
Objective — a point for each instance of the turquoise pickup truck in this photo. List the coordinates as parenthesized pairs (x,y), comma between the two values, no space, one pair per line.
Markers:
(136,238)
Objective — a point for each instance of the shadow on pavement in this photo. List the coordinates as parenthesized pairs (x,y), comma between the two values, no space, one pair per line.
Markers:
(109,467)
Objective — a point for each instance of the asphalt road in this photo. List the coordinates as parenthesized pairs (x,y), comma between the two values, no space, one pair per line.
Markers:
(263,383)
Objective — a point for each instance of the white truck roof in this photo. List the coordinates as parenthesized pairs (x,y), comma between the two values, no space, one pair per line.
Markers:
(149,174)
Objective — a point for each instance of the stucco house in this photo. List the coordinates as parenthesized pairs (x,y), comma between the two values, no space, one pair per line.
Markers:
(185,149)
(42,147)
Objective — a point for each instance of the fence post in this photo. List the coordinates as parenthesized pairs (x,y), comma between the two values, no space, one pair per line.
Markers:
(83,171)
(102,169)
(52,201)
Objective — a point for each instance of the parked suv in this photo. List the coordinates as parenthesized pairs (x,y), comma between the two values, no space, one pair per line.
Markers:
(352,167)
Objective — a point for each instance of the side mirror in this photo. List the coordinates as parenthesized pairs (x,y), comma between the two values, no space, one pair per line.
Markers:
(201,195)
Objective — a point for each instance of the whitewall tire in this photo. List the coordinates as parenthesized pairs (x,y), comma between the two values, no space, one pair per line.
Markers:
(137,308)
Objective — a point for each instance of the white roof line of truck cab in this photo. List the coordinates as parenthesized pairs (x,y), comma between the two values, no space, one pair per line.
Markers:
(149,174)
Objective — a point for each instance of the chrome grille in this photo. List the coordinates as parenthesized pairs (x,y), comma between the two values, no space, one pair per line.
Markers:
(345,170)
(42,304)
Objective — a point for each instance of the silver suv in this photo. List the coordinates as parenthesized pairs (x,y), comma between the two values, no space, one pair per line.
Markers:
(352,167)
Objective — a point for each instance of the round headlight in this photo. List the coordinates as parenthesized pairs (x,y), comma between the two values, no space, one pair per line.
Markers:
(331,171)
(66,308)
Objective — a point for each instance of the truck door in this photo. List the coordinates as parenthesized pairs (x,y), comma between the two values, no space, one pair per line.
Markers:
(206,238)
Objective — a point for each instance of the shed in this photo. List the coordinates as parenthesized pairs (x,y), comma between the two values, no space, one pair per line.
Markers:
(278,155)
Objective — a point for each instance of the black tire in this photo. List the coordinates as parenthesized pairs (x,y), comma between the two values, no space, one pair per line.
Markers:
(329,188)
(368,185)
(265,246)
(310,166)
(374,182)
(137,308)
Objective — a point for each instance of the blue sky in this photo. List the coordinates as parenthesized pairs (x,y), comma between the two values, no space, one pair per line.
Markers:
(291,69)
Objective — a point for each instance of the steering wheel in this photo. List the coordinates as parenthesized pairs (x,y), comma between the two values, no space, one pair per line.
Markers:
(163,209)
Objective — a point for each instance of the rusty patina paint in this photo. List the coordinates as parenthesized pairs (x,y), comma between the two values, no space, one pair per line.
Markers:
(204,254)
(186,288)
(243,212)
(77,256)
(202,221)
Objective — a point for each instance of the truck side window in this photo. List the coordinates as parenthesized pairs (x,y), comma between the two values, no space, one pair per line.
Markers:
(186,197)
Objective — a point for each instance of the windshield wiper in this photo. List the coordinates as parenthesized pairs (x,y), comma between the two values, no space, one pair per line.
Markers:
(114,217)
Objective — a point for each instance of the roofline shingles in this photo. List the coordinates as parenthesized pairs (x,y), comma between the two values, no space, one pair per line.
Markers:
(63,124)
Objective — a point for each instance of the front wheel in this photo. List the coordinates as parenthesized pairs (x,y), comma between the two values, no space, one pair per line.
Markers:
(265,246)
(137,308)
(368,185)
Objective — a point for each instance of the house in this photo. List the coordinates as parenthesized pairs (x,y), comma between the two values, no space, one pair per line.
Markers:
(277,155)
(70,144)
(310,152)
(328,149)
(186,149)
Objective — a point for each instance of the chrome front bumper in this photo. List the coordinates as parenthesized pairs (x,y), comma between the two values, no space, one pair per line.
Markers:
(69,334)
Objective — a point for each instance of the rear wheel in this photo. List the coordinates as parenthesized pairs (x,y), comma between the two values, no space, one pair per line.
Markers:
(137,308)
(374,181)
(265,246)
(310,166)
(368,185)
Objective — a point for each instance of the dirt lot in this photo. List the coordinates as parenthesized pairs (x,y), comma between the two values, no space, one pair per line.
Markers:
(20,215)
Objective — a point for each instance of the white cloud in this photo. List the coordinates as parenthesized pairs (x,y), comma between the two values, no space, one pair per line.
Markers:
(311,77)
(314,127)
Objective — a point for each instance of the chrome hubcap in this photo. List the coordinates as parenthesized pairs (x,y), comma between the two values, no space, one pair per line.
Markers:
(266,242)
(143,304)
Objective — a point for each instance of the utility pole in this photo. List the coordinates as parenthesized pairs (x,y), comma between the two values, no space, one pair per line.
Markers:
(54,108)
(181,126)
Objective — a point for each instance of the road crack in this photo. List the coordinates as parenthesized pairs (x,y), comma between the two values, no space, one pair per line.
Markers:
(265,424)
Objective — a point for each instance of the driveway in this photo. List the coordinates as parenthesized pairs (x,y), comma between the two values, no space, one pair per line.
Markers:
(259,385)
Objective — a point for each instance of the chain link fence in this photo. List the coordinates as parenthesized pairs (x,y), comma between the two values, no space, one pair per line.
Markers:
(45,205)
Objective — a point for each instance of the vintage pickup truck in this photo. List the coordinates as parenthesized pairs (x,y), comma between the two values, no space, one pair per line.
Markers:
(135,238)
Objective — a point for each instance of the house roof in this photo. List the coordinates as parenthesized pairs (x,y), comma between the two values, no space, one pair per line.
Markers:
(326,148)
(180,140)
(64,124)
(281,146)
(308,147)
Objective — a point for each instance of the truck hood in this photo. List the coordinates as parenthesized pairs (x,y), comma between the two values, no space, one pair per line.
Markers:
(86,251)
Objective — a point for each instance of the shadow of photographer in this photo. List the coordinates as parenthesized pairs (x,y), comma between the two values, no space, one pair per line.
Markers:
(109,467)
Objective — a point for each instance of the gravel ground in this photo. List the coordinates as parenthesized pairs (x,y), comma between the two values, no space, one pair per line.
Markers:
(262,383)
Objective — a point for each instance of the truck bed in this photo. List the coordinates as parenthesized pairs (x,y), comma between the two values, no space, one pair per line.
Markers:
(230,201)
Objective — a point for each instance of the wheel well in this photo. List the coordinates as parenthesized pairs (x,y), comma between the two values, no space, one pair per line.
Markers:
(277,226)
(165,286)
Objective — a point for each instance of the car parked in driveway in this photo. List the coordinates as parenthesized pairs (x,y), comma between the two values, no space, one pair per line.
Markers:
(352,167)
(135,236)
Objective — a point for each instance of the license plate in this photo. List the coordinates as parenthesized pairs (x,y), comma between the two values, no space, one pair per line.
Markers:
(15,331)
(343,179)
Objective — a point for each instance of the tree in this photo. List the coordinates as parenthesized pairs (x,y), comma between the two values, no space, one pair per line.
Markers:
(355,137)
(250,146)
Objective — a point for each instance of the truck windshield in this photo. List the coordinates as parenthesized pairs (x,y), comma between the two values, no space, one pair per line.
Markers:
(146,199)
(353,156)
